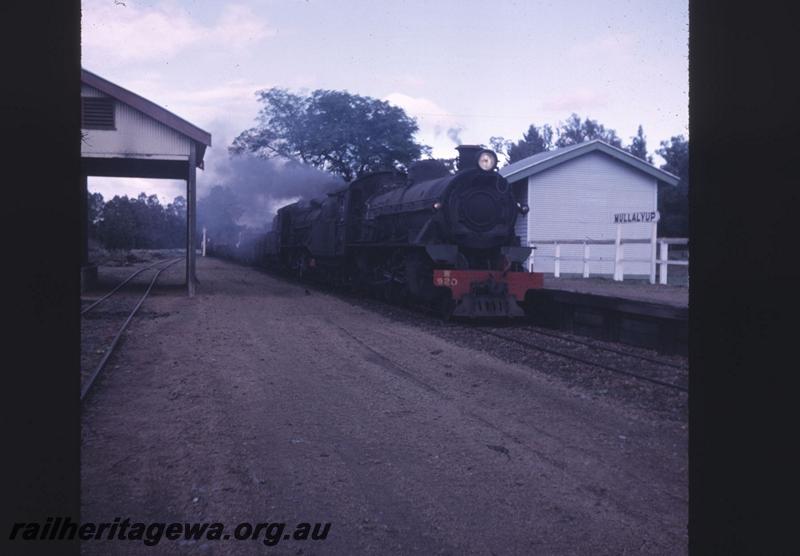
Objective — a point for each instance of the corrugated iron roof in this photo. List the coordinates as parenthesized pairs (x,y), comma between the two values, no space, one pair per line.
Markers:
(162,115)
(545,160)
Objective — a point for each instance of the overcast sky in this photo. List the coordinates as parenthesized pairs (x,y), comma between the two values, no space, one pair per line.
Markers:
(481,68)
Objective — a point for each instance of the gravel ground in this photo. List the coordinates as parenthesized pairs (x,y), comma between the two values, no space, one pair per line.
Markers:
(263,400)
(644,399)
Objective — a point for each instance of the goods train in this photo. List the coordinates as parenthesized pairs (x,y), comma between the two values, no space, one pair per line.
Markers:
(430,236)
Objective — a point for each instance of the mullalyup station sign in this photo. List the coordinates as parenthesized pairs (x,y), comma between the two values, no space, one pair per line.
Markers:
(630,217)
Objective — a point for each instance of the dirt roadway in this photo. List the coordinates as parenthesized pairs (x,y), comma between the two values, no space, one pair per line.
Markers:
(256,401)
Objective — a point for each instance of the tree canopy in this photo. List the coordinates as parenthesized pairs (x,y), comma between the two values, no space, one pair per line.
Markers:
(638,146)
(342,133)
(575,131)
(534,141)
(137,223)
(673,201)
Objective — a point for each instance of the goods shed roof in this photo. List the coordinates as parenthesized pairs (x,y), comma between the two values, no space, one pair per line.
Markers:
(201,138)
(546,160)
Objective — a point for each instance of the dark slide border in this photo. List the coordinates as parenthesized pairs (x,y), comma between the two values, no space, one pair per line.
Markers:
(744,275)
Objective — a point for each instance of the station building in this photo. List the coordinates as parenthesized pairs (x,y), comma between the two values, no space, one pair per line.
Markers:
(574,193)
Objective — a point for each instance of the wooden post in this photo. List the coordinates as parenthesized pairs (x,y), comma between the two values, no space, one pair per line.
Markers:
(585,260)
(653,240)
(557,262)
(618,254)
(191,208)
(204,241)
(530,259)
(663,256)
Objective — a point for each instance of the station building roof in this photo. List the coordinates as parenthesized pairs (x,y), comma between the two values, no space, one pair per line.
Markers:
(545,160)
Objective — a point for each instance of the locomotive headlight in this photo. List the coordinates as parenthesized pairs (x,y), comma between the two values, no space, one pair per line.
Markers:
(523,208)
(437,205)
(487,160)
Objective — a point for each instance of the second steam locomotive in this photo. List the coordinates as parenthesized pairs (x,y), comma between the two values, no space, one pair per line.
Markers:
(441,239)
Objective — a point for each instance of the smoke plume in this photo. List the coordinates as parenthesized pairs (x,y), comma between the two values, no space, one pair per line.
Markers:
(262,186)
(453,133)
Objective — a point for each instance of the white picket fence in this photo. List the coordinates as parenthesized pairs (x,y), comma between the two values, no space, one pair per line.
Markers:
(658,264)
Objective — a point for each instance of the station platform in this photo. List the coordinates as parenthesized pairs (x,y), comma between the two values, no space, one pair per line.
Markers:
(632,312)
(634,290)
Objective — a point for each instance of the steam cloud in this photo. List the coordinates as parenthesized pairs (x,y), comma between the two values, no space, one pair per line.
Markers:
(453,134)
(265,185)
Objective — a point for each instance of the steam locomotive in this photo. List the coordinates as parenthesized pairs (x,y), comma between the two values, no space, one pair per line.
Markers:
(445,240)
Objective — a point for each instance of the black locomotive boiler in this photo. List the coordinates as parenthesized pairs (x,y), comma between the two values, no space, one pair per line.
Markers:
(441,239)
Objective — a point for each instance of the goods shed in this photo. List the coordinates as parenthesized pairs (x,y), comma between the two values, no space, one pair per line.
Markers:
(126,135)
(577,193)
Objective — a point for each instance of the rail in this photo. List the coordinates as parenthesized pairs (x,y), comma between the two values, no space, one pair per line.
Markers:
(658,264)
(91,379)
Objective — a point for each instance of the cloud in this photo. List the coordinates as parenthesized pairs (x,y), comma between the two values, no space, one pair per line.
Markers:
(437,127)
(609,45)
(133,34)
(576,101)
(166,190)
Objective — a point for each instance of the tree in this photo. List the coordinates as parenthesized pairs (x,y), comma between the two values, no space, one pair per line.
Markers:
(450,163)
(336,131)
(575,131)
(673,201)
(140,223)
(500,145)
(638,146)
(534,141)
(118,228)
(96,206)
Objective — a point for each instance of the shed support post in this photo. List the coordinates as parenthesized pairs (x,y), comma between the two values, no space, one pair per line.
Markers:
(191,208)
(204,241)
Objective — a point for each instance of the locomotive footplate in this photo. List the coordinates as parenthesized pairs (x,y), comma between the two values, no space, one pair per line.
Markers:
(486,293)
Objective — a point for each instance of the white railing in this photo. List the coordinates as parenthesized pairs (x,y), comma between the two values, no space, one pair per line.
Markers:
(659,263)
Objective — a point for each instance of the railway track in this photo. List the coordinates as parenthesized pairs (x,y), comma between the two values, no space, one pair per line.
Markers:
(158,267)
(593,345)
(586,360)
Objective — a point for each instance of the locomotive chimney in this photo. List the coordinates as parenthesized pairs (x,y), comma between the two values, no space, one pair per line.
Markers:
(468,156)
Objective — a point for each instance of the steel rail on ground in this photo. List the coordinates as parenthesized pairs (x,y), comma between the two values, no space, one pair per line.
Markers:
(587,362)
(605,348)
(110,350)
(128,279)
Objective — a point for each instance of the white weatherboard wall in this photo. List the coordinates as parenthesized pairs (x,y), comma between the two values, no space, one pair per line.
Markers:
(136,135)
(578,200)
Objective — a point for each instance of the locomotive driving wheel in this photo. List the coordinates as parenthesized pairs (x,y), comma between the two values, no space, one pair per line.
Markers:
(395,289)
